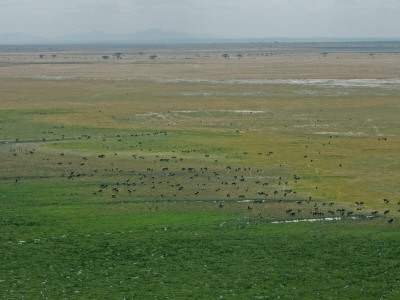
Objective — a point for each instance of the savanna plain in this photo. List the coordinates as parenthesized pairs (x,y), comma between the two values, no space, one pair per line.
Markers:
(223,171)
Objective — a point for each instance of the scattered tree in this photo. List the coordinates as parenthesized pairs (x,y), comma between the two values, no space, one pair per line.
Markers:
(239,55)
(41,55)
(118,55)
(153,56)
(105,57)
(225,55)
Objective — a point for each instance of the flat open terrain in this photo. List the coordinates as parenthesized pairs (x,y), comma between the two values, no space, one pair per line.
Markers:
(248,171)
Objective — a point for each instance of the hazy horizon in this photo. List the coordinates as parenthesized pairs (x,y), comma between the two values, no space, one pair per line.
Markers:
(220,19)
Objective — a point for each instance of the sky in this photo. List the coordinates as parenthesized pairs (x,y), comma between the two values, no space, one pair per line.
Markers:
(213,18)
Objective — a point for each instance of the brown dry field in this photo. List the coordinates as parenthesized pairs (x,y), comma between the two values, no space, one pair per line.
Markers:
(291,61)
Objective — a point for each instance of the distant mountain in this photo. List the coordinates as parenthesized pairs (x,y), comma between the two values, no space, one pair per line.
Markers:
(16,38)
(84,38)
(151,36)
(163,35)
(155,36)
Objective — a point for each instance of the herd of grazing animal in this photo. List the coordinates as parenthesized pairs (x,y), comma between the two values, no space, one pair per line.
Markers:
(179,178)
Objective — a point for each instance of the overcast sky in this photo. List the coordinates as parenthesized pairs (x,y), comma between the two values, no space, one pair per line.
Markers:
(216,18)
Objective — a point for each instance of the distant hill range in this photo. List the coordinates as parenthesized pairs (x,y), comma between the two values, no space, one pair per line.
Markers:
(154,36)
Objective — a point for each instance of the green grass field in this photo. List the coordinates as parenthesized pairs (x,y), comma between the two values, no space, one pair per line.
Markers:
(172,184)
